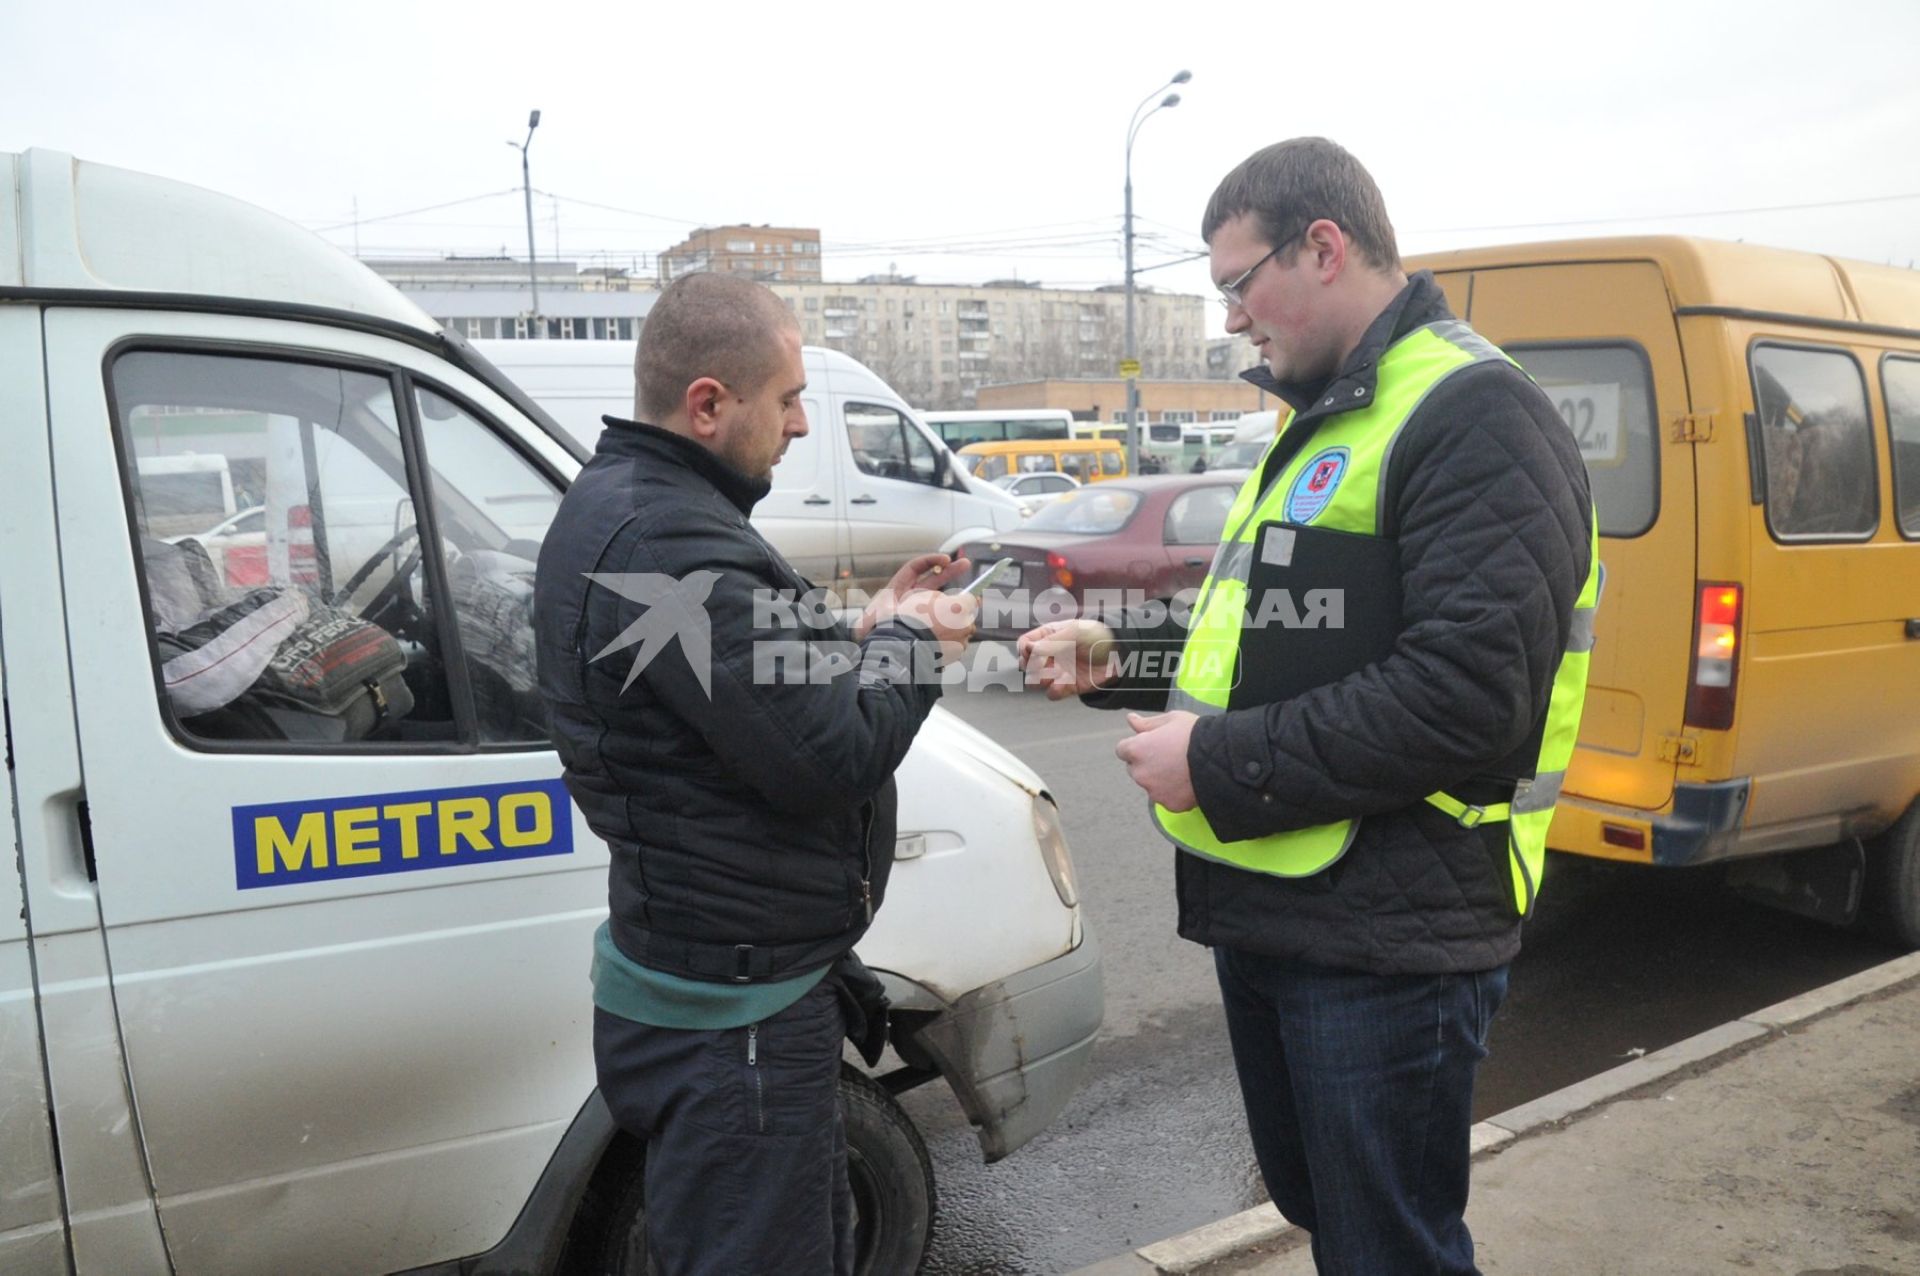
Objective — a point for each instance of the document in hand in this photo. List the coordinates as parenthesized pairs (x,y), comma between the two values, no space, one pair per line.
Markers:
(1325,603)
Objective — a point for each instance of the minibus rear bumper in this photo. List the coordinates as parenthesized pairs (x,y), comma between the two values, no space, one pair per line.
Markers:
(1703,825)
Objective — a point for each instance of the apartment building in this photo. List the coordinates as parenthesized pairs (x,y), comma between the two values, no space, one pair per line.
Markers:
(938,344)
(767,253)
(1171,401)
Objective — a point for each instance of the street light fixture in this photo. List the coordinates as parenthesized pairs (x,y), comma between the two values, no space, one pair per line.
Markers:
(526,185)
(1131,366)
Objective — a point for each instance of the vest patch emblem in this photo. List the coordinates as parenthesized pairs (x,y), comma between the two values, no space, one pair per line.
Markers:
(1315,485)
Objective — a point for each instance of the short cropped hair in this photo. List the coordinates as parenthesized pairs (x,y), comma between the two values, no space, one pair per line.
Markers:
(1291,184)
(706,325)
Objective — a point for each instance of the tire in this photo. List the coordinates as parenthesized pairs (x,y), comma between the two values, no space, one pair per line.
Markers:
(892,1180)
(1891,900)
(888,1170)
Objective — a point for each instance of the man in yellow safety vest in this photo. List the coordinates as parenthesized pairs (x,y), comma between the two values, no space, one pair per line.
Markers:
(1376,695)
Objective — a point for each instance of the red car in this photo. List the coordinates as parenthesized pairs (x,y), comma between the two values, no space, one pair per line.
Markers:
(1154,536)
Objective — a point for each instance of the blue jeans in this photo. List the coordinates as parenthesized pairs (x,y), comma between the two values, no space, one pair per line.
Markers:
(1359,1097)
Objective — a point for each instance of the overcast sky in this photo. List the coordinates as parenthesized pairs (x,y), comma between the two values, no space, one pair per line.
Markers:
(964,142)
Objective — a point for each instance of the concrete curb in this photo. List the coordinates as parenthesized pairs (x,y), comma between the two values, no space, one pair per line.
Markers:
(1226,1237)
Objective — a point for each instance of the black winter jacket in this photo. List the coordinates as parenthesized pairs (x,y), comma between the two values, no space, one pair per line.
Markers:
(752,823)
(1487,497)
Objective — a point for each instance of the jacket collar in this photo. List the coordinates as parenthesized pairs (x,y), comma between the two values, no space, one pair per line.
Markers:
(638,440)
(1418,304)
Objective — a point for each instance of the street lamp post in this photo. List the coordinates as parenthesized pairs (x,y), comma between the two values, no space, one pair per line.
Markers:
(1131,366)
(526,186)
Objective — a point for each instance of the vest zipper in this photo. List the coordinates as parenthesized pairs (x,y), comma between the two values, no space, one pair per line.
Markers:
(753,1070)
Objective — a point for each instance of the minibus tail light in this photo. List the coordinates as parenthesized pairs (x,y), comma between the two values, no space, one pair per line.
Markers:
(1716,664)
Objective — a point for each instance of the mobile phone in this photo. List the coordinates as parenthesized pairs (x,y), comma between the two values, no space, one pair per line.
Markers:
(978,585)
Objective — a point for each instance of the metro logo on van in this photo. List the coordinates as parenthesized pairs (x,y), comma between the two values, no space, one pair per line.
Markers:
(284,843)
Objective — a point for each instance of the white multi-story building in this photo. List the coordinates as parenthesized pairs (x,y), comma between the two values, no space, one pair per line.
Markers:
(492,297)
(937,344)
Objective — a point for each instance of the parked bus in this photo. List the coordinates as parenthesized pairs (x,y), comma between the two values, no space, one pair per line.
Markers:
(957,429)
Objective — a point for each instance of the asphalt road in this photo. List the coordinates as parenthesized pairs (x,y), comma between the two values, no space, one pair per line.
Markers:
(1617,960)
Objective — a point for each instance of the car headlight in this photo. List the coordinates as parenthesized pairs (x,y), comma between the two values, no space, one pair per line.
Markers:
(1053,849)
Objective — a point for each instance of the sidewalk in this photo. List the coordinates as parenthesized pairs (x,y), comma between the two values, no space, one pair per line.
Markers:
(1784,1142)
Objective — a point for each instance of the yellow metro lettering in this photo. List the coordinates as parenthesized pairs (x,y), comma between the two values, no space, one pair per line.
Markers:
(356,836)
(408,816)
(536,804)
(271,843)
(465,818)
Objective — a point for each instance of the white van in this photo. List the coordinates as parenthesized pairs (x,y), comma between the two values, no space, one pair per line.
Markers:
(868,488)
(295,933)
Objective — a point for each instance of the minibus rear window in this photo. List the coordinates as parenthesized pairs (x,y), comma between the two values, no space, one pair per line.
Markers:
(1605,394)
(1816,445)
(1901,381)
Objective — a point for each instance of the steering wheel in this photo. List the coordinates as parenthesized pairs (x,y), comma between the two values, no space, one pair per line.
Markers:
(396,596)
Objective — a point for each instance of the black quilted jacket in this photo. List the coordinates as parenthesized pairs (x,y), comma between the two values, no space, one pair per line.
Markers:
(1488,500)
(749,810)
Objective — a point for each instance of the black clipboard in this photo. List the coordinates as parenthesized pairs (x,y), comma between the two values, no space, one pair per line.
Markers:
(1304,636)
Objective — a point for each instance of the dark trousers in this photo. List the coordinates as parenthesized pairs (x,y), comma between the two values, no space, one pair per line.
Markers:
(1359,1097)
(746,1146)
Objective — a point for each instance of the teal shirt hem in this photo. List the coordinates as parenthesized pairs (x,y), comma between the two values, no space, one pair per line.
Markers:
(623,987)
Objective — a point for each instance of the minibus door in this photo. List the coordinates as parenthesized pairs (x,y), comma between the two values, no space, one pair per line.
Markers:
(1600,339)
(343,889)
(60,1045)
(33,1233)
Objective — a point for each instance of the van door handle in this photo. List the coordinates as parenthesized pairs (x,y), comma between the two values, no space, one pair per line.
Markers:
(1913,629)
(1196,562)
(864,500)
(816,500)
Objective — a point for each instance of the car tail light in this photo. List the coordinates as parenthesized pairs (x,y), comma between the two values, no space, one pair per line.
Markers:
(1058,569)
(1716,664)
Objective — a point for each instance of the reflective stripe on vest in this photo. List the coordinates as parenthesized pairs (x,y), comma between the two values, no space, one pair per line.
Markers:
(1337,481)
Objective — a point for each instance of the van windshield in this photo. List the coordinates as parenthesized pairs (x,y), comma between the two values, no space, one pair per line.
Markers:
(1088,510)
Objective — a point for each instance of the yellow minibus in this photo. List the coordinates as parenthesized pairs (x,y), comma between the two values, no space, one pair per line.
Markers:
(1750,418)
(1088,460)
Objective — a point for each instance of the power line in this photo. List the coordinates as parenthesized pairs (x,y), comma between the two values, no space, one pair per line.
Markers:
(387,217)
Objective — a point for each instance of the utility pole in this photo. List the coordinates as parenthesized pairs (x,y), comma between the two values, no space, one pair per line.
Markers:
(1130,365)
(526,187)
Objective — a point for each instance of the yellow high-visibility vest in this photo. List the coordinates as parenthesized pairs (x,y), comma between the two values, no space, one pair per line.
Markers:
(1336,482)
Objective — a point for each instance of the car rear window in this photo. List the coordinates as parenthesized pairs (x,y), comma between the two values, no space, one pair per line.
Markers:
(1088,510)
(1605,395)
(1816,444)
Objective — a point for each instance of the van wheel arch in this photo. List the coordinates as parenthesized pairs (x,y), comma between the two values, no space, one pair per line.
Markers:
(1891,902)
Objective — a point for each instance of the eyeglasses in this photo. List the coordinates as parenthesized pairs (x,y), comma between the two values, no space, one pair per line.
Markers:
(1232,294)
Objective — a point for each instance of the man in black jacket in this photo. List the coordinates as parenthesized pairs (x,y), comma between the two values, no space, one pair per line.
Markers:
(1359,980)
(741,774)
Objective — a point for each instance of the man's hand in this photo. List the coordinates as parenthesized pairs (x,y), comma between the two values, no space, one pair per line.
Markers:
(1068,657)
(1156,757)
(950,616)
(929,571)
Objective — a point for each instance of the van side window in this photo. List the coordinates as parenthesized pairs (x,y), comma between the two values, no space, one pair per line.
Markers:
(1112,463)
(493,508)
(1035,462)
(1605,394)
(1900,381)
(1816,444)
(886,446)
(295,609)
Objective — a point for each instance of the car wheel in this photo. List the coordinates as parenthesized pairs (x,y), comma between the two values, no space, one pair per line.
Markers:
(888,1171)
(1891,901)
